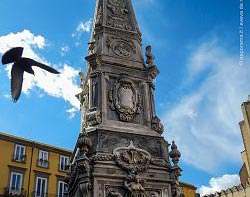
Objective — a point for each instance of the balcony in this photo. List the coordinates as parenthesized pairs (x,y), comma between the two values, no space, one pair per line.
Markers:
(19,158)
(14,192)
(43,163)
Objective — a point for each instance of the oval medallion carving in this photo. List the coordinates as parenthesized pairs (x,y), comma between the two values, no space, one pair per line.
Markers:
(122,49)
(125,99)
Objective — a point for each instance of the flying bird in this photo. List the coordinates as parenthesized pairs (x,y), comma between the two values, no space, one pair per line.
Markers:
(20,65)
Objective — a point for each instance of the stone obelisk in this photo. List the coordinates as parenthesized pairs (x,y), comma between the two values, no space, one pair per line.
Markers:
(120,151)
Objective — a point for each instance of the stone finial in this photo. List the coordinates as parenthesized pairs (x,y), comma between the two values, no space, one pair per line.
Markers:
(175,155)
(84,143)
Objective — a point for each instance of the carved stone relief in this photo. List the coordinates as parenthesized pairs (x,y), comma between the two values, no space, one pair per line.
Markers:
(118,14)
(99,17)
(125,99)
(121,47)
(118,3)
(113,194)
(111,141)
(93,118)
(132,159)
(156,125)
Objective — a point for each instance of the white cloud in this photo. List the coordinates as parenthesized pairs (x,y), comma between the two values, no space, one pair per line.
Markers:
(64,49)
(205,122)
(72,111)
(219,183)
(83,27)
(25,39)
(61,86)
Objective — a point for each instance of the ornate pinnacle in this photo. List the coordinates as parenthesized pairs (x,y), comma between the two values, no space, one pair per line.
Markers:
(175,155)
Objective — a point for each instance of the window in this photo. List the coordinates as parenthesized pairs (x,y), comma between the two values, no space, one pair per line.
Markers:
(62,189)
(43,159)
(15,183)
(64,162)
(41,187)
(19,153)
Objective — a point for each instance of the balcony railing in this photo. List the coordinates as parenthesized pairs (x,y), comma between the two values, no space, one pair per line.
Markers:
(19,158)
(43,163)
(14,192)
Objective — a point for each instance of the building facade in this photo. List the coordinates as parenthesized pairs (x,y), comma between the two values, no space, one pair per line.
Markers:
(188,190)
(245,132)
(29,168)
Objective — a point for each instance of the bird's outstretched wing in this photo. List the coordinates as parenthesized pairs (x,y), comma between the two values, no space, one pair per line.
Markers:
(12,55)
(16,81)
(43,66)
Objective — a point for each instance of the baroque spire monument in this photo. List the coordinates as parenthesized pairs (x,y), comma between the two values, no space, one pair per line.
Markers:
(120,151)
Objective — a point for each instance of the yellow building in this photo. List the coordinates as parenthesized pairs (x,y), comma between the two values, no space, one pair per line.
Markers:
(29,168)
(188,190)
(245,132)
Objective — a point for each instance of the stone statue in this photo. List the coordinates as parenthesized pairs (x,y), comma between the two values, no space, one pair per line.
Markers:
(134,186)
(150,57)
(82,77)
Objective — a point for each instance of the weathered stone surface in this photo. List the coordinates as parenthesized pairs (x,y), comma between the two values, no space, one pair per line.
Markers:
(120,152)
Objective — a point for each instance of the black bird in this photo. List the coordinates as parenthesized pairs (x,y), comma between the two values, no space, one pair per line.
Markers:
(20,65)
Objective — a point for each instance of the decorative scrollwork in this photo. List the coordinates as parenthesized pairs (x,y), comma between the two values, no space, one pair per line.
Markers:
(156,125)
(132,159)
(94,118)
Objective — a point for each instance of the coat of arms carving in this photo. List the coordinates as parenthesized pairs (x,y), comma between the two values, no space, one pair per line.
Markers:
(132,159)
(125,99)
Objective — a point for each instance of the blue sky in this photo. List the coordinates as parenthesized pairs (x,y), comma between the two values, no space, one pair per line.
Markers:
(198,92)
